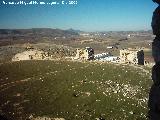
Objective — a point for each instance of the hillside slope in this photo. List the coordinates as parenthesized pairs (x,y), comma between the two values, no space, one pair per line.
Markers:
(73,90)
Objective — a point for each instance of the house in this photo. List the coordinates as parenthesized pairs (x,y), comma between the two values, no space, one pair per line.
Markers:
(106,57)
(110,47)
(101,56)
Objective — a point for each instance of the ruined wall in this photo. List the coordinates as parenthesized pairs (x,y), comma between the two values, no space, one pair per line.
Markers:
(31,55)
(85,54)
(132,56)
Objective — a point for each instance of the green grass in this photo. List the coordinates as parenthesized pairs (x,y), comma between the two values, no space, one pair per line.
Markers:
(73,90)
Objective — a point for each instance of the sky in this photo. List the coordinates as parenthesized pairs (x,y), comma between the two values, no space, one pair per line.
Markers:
(86,15)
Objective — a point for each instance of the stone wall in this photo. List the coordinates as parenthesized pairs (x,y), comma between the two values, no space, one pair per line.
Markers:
(85,54)
(31,55)
(132,56)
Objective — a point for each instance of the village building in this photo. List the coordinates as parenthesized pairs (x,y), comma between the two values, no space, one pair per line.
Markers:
(106,57)
(85,54)
(101,56)
(132,56)
(110,47)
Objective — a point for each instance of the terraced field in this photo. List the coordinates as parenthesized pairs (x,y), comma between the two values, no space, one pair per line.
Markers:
(73,90)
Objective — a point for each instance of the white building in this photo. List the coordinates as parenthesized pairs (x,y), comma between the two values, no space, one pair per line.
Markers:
(106,57)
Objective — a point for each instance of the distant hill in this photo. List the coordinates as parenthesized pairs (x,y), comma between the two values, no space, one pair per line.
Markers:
(76,31)
(43,32)
(34,35)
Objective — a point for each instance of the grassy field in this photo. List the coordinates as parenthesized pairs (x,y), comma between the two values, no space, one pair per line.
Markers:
(73,90)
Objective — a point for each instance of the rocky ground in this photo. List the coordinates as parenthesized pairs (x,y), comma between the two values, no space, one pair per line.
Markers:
(73,90)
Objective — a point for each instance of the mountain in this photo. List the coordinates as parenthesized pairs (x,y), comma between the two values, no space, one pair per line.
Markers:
(73,30)
(43,32)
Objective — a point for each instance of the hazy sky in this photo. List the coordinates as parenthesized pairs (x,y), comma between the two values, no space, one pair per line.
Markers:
(87,15)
